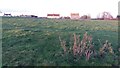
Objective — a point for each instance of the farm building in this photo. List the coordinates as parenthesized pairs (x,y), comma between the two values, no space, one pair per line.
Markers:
(32,16)
(85,17)
(25,15)
(66,17)
(75,16)
(53,15)
(7,15)
(43,17)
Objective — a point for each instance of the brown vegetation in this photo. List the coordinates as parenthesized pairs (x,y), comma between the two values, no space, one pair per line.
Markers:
(85,46)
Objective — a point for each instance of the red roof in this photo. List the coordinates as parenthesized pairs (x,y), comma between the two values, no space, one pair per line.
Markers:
(53,14)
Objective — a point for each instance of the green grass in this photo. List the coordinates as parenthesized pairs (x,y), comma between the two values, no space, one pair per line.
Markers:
(30,41)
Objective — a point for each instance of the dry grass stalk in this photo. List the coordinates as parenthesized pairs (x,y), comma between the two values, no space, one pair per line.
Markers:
(106,47)
(88,53)
(85,46)
(82,47)
(85,36)
(90,39)
(110,48)
(75,45)
(63,44)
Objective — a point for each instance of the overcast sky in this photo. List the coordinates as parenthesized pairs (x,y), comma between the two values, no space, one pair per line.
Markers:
(63,7)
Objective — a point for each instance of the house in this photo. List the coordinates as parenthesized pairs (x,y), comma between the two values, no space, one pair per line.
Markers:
(75,16)
(53,15)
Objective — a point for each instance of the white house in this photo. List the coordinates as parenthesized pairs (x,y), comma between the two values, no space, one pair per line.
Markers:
(75,16)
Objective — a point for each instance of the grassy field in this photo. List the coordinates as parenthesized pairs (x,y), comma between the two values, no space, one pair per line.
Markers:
(35,42)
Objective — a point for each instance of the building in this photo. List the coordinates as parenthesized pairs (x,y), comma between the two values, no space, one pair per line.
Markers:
(85,17)
(7,15)
(34,16)
(29,16)
(53,15)
(43,17)
(25,15)
(118,17)
(75,16)
(67,17)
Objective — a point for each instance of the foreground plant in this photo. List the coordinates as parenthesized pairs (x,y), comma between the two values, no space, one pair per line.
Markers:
(106,48)
(63,44)
(85,47)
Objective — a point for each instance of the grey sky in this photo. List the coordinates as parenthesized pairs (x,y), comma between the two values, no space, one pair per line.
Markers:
(63,7)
